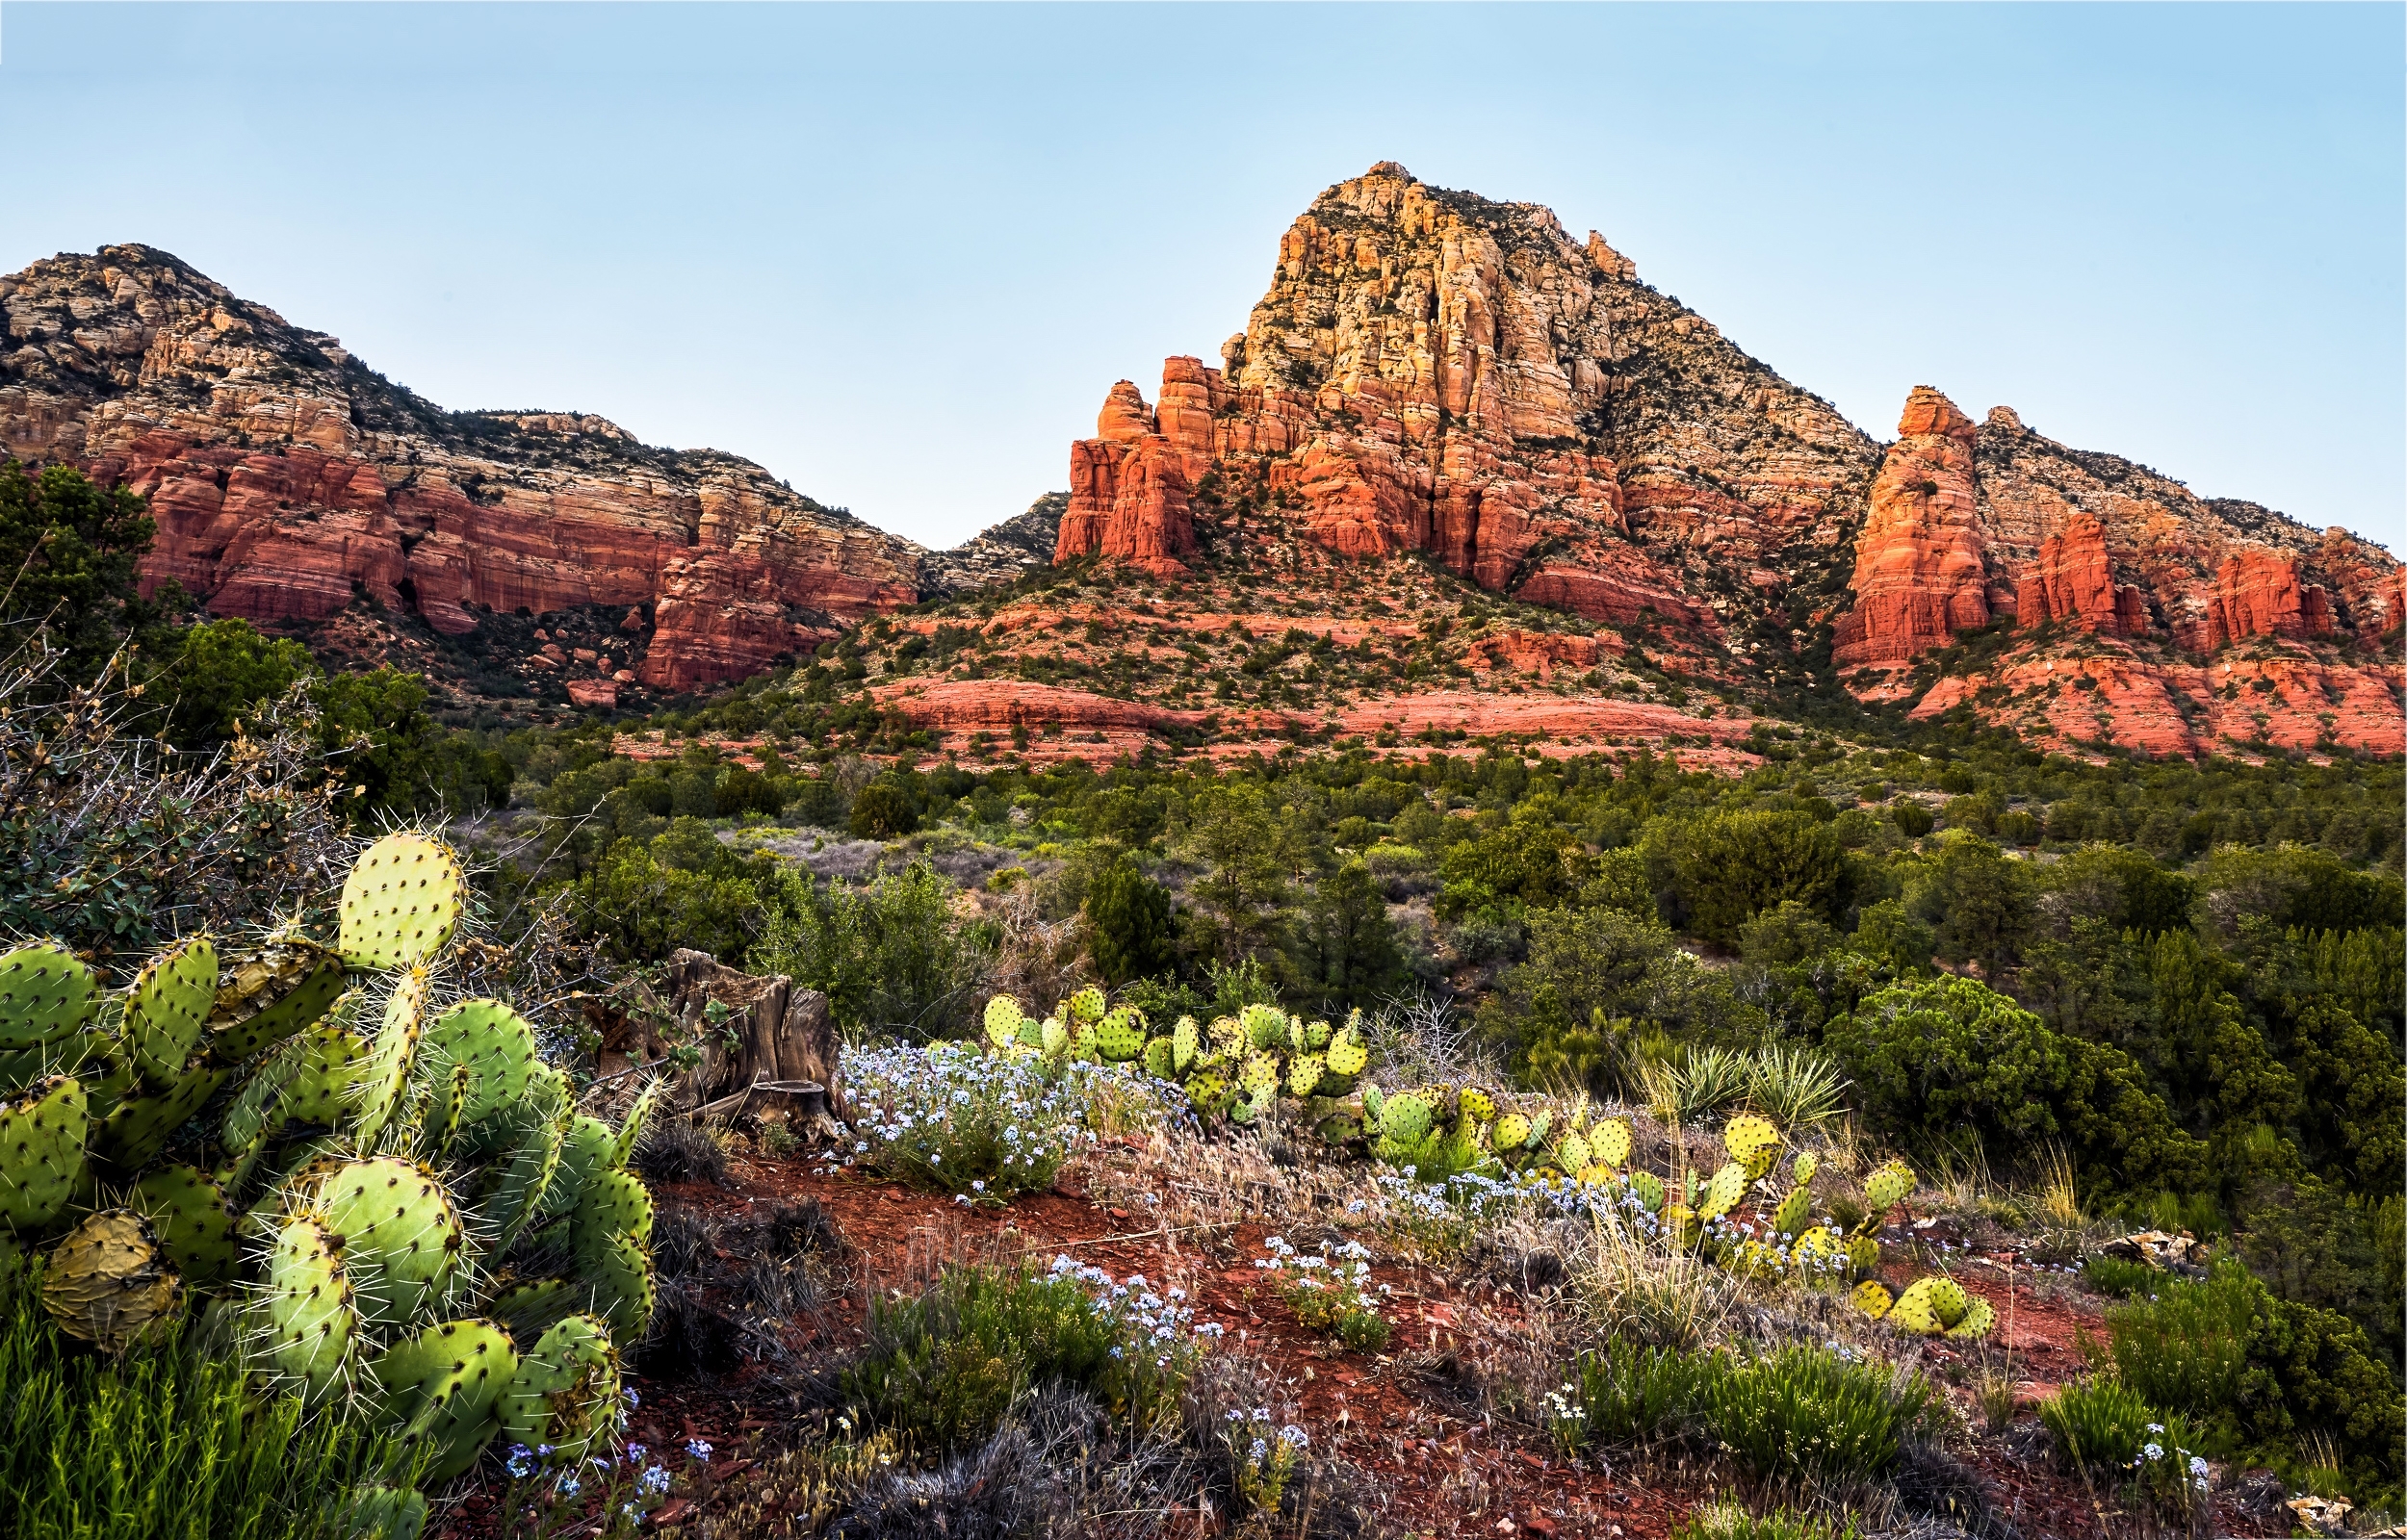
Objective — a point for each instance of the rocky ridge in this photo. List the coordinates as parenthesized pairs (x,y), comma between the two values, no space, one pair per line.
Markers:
(290,480)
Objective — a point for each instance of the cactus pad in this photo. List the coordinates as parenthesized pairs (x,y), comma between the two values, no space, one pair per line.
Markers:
(1406,1118)
(1206,1091)
(1161,1058)
(1916,1311)
(334,1059)
(1477,1105)
(1265,1025)
(401,902)
(631,1127)
(565,1392)
(494,1045)
(1576,1153)
(1120,1037)
(1872,1297)
(1053,1036)
(401,1237)
(106,1282)
(1806,1164)
(1649,1190)
(1863,1253)
(1788,1218)
(137,1128)
(1753,1142)
(267,994)
(1226,1034)
(1374,1100)
(439,1389)
(188,1212)
(1886,1189)
(613,1203)
(168,1005)
(1816,1251)
(45,995)
(1303,1074)
(42,1153)
(1542,1123)
(1979,1319)
(1611,1141)
(1723,1193)
(617,1278)
(1511,1133)
(1182,1043)
(1004,1019)
(1347,1057)
(1948,1299)
(529,1306)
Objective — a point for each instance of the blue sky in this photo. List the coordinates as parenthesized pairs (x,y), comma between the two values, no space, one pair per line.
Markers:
(899,254)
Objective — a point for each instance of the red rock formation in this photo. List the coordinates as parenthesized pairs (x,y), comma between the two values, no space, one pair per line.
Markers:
(288,481)
(2073,580)
(1128,490)
(2257,593)
(1919,573)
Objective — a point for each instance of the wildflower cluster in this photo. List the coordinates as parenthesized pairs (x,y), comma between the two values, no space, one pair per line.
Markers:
(602,1494)
(980,1127)
(2176,1477)
(1160,1324)
(1265,1459)
(1331,1292)
(1566,1418)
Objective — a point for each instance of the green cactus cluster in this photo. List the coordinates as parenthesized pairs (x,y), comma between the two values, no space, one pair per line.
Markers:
(302,1142)
(1238,1067)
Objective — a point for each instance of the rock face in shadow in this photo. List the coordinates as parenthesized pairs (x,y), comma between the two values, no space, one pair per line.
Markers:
(289,479)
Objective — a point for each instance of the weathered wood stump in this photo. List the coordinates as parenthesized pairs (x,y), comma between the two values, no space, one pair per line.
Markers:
(773,1034)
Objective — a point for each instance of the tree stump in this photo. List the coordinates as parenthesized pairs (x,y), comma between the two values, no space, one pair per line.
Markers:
(772,1032)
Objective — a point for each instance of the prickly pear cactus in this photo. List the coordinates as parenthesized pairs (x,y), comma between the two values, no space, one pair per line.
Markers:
(1806,1164)
(1724,1191)
(169,1004)
(1753,1142)
(438,1391)
(1886,1189)
(1303,1074)
(1004,1018)
(1161,1058)
(1979,1319)
(1083,1008)
(565,1392)
(492,1044)
(1347,1057)
(1610,1139)
(1511,1133)
(1576,1153)
(1182,1043)
(402,902)
(617,1279)
(1406,1118)
(1261,1073)
(106,1283)
(1265,1026)
(42,1153)
(1120,1035)
(401,1237)
(270,992)
(1916,1309)
(1788,1218)
(45,995)
(188,1211)
(613,1205)
(377,1094)
(1863,1253)
(1873,1298)
(1477,1105)
(1649,1190)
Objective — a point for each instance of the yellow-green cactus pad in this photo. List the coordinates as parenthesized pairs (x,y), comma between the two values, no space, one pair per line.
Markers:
(1511,1133)
(565,1392)
(1303,1074)
(1886,1189)
(438,1390)
(1863,1253)
(1610,1139)
(1979,1319)
(168,1005)
(1477,1105)
(1347,1056)
(617,1279)
(42,1153)
(401,902)
(1182,1043)
(1914,1310)
(494,1045)
(106,1282)
(1753,1142)
(188,1212)
(1788,1218)
(137,1128)
(1265,1026)
(311,1320)
(267,995)
(1723,1193)
(1574,1153)
(1004,1018)
(1806,1164)
(613,1203)
(402,1238)
(1873,1298)
(45,995)
(375,1093)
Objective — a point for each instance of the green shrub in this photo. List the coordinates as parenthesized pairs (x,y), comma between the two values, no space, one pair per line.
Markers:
(1733,866)
(892,958)
(162,1444)
(2121,1279)
(2260,1373)
(2103,1424)
(1626,1392)
(882,810)
(943,1368)
(1128,915)
(1808,1412)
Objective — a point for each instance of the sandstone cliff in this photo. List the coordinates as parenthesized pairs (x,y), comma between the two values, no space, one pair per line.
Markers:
(1432,371)
(288,479)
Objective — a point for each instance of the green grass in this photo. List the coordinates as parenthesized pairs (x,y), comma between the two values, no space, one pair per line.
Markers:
(162,1445)
(2103,1424)
(1727,1521)
(2119,1279)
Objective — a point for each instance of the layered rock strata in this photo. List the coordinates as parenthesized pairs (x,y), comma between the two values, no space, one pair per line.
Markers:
(288,479)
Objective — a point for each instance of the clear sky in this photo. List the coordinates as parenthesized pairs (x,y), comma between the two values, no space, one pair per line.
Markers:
(898,255)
